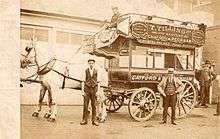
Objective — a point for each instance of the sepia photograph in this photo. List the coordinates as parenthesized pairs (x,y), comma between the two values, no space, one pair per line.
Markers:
(114,69)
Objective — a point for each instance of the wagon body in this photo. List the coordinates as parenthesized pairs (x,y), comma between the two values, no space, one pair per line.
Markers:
(140,50)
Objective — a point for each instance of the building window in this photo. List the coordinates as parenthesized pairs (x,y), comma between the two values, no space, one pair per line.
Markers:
(184,62)
(42,34)
(150,60)
(181,62)
(190,62)
(169,60)
(155,58)
(139,57)
(159,60)
(76,39)
(69,38)
(26,33)
(123,61)
(62,37)
(124,58)
(142,58)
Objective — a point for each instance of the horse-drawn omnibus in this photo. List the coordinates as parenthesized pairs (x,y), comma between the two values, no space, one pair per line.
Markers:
(140,50)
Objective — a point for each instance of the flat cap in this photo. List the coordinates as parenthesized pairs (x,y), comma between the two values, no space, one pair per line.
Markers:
(91,59)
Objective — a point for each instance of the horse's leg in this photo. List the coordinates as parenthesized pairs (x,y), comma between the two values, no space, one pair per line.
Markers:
(41,97)
(52,104)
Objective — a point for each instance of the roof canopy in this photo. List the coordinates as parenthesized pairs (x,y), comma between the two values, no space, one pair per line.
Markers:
(150,30)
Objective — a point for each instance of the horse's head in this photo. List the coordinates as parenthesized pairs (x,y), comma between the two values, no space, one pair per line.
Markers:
(28,49)
(27,58)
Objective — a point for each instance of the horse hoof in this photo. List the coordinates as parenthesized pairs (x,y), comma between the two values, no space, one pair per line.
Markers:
(35,114)
(47,115)
(51,120)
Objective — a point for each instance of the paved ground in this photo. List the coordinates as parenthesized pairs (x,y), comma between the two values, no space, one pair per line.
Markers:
(200,124)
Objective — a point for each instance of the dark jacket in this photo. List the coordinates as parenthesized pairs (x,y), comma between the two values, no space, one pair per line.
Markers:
(206,76)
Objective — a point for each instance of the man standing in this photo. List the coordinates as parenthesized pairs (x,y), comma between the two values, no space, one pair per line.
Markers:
(205,80)
(90,86)
(169,87)
(115,17)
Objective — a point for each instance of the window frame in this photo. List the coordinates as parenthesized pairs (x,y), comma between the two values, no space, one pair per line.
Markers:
(175,61)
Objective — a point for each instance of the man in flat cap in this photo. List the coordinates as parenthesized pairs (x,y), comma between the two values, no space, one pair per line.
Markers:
(90,86)
(169,87)
(115,17)
(205,80)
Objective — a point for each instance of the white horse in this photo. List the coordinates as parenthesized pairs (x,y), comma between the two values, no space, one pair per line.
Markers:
(43,68)
(41,76)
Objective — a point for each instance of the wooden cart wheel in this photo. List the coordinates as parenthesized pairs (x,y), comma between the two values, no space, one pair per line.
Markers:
(113,102)
(186,100)
(142,104)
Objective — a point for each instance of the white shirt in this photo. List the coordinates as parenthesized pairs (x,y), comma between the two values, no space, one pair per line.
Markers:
(91,71)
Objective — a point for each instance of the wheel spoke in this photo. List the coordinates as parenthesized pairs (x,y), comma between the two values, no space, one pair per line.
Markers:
(138,103)
(145,93)
(107,101)
(183,107)
(110,105)
(187,90)
(138,98)
(187,105)
(151,100)
(113,104)
(179,109)
(140,112)
(148,96)
(117,102)
(136,111)
(188,94)
(187,100)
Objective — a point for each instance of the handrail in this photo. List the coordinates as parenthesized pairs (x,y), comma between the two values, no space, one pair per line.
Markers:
(154,16)
(143,15)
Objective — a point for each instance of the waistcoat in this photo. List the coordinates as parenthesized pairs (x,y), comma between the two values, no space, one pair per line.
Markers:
(170,87)
(91,81)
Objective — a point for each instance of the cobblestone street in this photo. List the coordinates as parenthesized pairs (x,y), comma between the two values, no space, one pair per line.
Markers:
(199,124)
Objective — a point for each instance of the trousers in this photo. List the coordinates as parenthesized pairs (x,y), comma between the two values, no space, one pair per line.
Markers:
(169,101)
(89,95)
(204,92)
